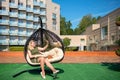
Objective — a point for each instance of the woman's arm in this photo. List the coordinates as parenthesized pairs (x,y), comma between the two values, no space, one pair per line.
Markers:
(30,55)
(35,56)
(57,44)
(43,48)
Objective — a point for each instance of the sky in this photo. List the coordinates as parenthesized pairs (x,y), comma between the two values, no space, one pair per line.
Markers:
(74,10)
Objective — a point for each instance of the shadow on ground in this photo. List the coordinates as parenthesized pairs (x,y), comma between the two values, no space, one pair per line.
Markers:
(37,71)
(112,66)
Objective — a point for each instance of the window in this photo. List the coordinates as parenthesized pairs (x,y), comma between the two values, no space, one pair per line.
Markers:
(21,21)
(104,32)
(20,4)
(12,1)
(54,16)
(82,40)
(28,6)
(13,19)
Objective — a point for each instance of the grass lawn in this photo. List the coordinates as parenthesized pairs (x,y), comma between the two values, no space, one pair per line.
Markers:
(103,71)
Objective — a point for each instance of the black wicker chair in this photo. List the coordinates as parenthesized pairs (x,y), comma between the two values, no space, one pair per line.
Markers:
(40,36)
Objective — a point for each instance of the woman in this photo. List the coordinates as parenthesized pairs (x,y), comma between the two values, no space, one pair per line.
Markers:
(36,52)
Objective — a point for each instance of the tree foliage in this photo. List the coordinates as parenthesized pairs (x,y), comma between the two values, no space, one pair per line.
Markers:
(86,21)
(66,42)
(65,27)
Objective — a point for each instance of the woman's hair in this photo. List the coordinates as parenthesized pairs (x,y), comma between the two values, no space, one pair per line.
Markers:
(29,45)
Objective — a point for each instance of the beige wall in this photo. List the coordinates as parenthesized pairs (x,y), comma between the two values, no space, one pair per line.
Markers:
(76,39)
(53,8)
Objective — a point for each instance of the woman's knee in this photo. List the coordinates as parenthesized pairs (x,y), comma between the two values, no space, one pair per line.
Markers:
(41,59)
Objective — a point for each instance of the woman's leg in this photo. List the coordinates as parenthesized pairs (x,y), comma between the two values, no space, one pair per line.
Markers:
(49,65)
(42,62)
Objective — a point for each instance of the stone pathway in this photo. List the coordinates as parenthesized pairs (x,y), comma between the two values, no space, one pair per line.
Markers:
(70,57)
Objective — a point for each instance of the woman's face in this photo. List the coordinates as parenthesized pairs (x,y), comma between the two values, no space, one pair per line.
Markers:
(33,44)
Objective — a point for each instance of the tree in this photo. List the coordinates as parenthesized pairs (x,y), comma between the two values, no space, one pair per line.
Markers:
(66,42)
(65,27)
(85,22)
(62,26)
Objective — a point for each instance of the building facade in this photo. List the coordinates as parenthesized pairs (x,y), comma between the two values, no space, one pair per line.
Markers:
(102,36)
(20,18)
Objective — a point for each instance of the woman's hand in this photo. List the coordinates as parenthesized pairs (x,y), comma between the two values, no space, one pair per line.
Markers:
(47,41)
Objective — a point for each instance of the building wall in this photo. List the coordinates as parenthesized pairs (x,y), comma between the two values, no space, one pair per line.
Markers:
(76,40)
(53,12)
(19,19)
(95,38)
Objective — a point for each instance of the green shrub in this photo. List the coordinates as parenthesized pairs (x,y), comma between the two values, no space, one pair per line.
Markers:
(16,48)
(71,49)
(117,52)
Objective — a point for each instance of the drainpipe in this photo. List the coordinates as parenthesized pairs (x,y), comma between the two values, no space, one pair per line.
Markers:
(108,29)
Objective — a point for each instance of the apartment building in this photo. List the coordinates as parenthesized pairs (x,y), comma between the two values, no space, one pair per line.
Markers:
(102,36)
(20,18)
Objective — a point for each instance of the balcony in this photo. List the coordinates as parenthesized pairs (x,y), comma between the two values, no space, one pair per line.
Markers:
(4,32)
(53,17)
(29,10)
(36,3)
(29,33)
(29,25)
(42,5)
(13,32)
(44,20)
(36,11)
(42,12)
(4,22)
(36,19)
(4,42)
(22,24)
(21,42)
(4,12)
(13,14)
(13,42)
(21,7)
(22,16)
(13,23)
(13,5)
(22,33)
(36,26)
(30,18)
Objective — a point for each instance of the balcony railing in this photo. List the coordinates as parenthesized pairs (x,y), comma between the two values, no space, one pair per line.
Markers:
(36,11)
(22,16)
(36,19)
(29,17)
(22,33)
(22,24)
(29,25)
(42,5)
(13,42)
(13,5)
(29,33)
(4,22)
(29,10)
(44,20)
(13,32)
(13,23)
(4,32)
(4,42)
(21,42)
(42,12)
(21,7)
(36,3)
(4,12)
(13,14)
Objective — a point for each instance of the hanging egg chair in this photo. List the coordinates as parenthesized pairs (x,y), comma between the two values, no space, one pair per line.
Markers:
(39,36)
